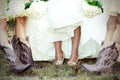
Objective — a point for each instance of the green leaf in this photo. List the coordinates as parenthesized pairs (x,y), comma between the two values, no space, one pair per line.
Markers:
(94,3)
(27,5)
(8,1)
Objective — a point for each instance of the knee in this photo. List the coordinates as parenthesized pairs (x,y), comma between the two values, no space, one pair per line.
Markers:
(111,24)
(21,20)
(3,24)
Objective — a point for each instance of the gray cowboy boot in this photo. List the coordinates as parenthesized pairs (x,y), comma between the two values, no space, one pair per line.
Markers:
(14,62)
(105,60)
(25,53)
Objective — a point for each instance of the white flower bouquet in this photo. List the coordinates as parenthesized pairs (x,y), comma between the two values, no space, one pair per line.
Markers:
(91,8)
(17,8)
(36,9)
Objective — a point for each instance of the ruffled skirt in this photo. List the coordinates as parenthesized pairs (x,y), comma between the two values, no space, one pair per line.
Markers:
(3,7)
(112,7)
(92,34)
(64,18)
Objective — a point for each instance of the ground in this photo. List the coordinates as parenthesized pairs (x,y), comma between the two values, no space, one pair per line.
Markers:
(49,71)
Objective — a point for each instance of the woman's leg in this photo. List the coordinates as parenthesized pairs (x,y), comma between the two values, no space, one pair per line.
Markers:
(10,55)
(116,36)
(20,28)
(75,45)
(59,53)
(109,54)
(111,26)
(3,33)
(20,43)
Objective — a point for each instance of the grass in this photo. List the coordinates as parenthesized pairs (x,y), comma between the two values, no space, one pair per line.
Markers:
(51,72)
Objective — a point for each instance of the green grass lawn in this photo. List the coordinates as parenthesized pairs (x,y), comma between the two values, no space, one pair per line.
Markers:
(51,72)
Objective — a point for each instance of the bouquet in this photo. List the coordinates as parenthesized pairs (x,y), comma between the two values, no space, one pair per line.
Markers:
(16,8)
(36,9)
(91,8)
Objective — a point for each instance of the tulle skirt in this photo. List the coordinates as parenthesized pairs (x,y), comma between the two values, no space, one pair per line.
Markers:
(112,7)
(92,34)
(15,8)
(3,7)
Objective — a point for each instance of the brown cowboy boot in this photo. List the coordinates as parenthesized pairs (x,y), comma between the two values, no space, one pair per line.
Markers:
(16,46)
(25,53)
(106,59)
(14,62)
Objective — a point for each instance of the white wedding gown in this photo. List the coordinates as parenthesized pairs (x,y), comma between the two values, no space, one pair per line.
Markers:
(92,34)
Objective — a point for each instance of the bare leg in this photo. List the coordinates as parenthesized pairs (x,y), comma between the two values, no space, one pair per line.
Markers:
(3,33)
(58,51)
(109,54)
(20,29)
(111,26)
(20,43)
(75,45)
(14,63)
(116,36)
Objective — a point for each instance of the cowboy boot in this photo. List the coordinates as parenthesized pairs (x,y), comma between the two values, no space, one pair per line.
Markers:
(30,58)
(16,46)
(25,53)
(14,62)
(106,59)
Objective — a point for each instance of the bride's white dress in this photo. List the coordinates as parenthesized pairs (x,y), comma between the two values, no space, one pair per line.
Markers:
(92,34)
(43,32)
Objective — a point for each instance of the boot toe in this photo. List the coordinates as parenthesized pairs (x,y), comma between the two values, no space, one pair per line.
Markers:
(85,67)
(26,67)
(22,68)
(88,67)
